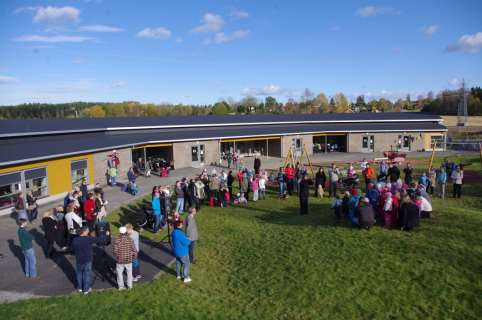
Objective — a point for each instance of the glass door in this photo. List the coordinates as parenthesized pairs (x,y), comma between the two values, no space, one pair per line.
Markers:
(197,155)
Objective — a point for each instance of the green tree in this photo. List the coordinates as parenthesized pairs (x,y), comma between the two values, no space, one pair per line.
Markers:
(321,101)
(270,104)
(220,108)
(360,103)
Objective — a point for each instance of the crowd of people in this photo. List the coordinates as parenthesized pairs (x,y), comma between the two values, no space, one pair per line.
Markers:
(382,193)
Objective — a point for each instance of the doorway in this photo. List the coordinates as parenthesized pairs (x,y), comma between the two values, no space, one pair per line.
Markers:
(197,155)
(368,143)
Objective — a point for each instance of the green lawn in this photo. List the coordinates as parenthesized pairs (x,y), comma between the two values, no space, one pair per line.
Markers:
(267,262)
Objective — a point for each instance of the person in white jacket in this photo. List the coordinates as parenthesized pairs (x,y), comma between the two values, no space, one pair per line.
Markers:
(457,177)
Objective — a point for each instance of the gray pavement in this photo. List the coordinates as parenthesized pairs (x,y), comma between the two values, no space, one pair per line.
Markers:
(57,275)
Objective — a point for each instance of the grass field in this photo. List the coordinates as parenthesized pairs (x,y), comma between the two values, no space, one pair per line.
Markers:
(267,262)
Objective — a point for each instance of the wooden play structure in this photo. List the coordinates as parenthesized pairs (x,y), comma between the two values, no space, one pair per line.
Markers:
(292,158)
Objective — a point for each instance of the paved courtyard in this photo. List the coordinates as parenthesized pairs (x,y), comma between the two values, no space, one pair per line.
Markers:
(57,275)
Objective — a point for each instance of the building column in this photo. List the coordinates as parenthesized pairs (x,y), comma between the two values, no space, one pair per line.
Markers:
(267,148)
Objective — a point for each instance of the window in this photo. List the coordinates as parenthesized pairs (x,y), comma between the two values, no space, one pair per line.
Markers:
(79,172)
(437,142)
(10,189)
(36,181)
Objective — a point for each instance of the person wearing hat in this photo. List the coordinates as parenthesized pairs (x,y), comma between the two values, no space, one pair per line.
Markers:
(124,252)
(82,248)
(180,246)
(366,215)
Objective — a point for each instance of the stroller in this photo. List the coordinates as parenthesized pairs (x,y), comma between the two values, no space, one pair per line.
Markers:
(350,182)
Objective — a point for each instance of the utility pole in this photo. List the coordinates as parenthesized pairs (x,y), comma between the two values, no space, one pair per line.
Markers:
(462,108)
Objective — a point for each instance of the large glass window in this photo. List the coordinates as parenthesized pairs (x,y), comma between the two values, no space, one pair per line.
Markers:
(10,189)
(37,182)
(79,172)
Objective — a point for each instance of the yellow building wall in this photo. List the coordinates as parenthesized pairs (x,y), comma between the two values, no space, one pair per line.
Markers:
(58,171)
(427,140)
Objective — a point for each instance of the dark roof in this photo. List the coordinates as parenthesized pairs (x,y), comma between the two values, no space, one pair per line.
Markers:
(31,148)
(53,126)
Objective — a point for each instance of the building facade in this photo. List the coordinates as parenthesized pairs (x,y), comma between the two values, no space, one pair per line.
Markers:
(50,157)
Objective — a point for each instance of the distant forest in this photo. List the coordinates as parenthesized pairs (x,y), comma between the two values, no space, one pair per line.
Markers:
(444,103)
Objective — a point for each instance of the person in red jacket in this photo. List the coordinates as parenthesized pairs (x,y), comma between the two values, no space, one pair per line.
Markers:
(89,211)
(290,176)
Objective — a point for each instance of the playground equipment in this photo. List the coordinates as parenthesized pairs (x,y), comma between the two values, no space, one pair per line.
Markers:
(292,158)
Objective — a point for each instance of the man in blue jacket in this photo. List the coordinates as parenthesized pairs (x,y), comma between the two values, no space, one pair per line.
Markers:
(180,246)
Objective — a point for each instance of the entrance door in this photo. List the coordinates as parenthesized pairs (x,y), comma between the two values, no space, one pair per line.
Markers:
(368,143)
(406,143)
(197,155)
(297,147)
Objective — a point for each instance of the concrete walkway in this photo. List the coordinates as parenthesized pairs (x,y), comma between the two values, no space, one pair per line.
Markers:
(57,275)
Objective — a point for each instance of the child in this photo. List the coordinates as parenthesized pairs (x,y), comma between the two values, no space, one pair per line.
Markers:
(336,206)
(254,187)
(387,209)
(262,186)
(240,199)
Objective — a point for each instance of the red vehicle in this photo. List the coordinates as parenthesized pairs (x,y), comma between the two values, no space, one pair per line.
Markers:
(395,156)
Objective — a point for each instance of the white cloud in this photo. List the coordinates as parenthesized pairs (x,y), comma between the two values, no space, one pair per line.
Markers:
(179,40)
(53,15)
(239,14)
(210,22)
(52,39)
(372,11)
(471,43)
(155,33)
(118,84)
(455,82)
(99,28)
(221,37)
(429,30)
(271,89)
(7,80)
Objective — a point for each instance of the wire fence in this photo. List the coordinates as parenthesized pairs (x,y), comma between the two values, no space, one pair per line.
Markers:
(466,145)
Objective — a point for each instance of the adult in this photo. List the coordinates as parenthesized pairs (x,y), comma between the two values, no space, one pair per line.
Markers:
(25,239)
(304,193)
(230,180)
(192,233)
(32,206)
(382,171)
(423,180)
(394,173)
(124,252)
(408,171)
(190,194)
(441,182)
(156,211)
(409,214)
(320,180)
(131,176)
(432,180)
(281,178)
(199,193)
(257,164)
(180,245)
(179,197)
(457,177)
(90,213)
(82,248)
(136,269)
(74,222)
(365,215)
(334,175)
(84,190)
(369,174)
(20,208)
(100,203)
(49,224)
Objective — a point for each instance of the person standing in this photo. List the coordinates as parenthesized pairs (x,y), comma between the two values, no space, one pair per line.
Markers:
(156,211)
(408,171)
(304,193)
(262,185)
(82,248)
(334,175)
(134,235)
(20,208)
(180,245)
(432,180)
(199,193)
(281,178)
(457,178)
(124,252)
(369,174)
(49,224)
(320,180)
(89,211)
(179,197)
(32,206)
(192,233)
(394,173)
(25,239)
(257,164)
(441,182)
(254,187)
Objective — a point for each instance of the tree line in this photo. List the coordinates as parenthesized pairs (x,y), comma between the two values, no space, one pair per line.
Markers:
(444,103)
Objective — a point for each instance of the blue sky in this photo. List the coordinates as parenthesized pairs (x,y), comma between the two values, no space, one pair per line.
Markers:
(201,51)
